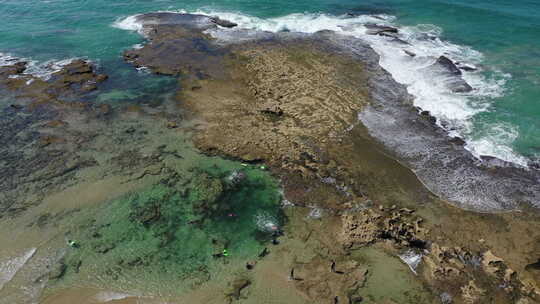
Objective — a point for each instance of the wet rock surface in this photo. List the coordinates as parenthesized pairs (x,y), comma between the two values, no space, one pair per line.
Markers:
(290,101)
(70,82)
(450,70)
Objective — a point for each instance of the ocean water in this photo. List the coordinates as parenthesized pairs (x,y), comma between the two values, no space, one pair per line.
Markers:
(501,117)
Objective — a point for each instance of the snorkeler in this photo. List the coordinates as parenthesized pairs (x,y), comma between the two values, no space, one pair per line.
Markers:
(224,253)
(276,232)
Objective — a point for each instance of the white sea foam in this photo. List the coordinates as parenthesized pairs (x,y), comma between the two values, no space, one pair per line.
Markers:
(315,213)
(10,267)
(496,139)
(129,23)
(266,222)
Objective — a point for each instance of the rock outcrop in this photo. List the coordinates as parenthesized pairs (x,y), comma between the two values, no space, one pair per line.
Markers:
(453,75)
(370,225)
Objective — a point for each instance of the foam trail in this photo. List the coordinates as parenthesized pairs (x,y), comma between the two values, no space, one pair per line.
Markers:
(9,268)
(454,111)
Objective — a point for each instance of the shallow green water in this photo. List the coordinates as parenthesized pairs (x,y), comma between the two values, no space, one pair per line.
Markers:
(176,234)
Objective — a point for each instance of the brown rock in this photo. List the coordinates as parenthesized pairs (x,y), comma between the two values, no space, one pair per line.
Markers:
(88,87)
(360,229)
(101,78)
(492,264)
(471,293)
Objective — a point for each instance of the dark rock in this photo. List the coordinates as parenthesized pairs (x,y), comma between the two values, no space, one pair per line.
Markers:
(274,110)
(376,29)
(147,214)
(458,141)
(101,77)
(355,300)
(448,65)
(461,87)
(223,23)
(236,288)
(103,109)
(182,50)
(77,67)
(398,40)
(429,117)
(104,248)
(135,262)
(16,106)
(14,69)
(88,87)
(534,164)
(453,74)
(76,265)
(58,271)
(43,220)
(192,21)
(409,53)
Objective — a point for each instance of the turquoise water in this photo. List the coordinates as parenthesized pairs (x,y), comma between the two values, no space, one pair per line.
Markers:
(507,33)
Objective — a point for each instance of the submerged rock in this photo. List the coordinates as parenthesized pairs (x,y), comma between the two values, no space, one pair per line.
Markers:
(237,286)
(324,279)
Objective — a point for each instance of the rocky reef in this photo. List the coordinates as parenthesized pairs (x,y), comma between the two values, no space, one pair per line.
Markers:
(131,205)
(291,101)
